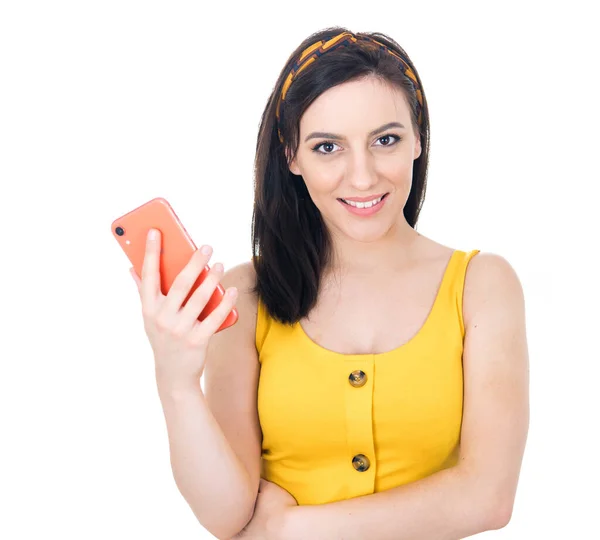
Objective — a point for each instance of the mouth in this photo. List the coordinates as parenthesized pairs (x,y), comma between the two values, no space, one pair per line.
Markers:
(367,208)
(365,204)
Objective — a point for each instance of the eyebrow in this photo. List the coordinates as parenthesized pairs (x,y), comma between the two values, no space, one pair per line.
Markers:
(321,134)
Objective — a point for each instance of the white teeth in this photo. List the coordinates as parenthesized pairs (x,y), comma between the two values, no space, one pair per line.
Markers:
(367,204)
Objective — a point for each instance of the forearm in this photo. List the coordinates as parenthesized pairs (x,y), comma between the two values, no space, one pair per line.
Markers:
(447,505)
(207,471)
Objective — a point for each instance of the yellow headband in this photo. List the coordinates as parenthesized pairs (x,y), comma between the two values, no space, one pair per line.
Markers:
(310,54)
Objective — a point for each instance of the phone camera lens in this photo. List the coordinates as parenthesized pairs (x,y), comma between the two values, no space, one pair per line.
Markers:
(120,231)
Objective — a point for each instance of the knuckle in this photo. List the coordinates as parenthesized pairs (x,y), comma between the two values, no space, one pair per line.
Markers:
(199,300)
(195,339)
(199,260)
(183,282)
(162,324)
(208,285)
(204,292)
(211,285)
(228,299)
(188,276)
(148,314)
(179,333)
(215,276)
(223,307)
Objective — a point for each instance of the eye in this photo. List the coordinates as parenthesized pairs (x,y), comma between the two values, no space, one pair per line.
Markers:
(326,145)
(387,138)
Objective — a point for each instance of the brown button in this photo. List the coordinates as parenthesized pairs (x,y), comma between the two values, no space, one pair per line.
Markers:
(361,462)
(357,378)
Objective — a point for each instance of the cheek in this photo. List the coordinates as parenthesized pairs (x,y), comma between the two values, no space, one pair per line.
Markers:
(398,172)
(322,180)
(394,166)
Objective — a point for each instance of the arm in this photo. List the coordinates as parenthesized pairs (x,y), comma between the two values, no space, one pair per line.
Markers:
(214,436)
(478,493)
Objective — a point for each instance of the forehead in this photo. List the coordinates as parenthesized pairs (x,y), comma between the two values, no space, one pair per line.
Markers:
(359,106)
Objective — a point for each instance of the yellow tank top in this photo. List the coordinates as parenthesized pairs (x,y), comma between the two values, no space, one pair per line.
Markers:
(337,426)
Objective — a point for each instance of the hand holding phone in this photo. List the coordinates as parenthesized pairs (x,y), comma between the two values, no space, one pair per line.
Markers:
(183,302)
(179,341)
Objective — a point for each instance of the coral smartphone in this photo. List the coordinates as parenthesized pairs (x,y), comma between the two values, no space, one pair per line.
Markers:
(177,247)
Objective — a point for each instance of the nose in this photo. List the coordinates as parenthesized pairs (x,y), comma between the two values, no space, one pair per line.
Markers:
(361,173)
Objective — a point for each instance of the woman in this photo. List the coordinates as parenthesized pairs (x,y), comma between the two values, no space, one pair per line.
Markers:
(376,380)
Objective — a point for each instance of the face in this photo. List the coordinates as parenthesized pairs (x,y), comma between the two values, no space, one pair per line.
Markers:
(357,142)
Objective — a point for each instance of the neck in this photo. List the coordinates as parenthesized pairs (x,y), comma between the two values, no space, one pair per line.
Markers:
(393,251)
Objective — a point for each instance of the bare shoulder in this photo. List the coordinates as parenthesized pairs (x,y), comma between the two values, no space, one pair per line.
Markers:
(241,335)
(490,282)
(243,277)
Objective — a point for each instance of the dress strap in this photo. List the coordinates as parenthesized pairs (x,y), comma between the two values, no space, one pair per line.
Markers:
(263,324)
(461,272)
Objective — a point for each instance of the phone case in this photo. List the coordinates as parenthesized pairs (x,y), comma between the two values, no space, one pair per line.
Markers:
(177,247)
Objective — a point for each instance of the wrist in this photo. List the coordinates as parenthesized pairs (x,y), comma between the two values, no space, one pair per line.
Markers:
(177,389)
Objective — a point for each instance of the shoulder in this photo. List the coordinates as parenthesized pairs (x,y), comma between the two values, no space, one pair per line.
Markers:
(491,283)
(243,277)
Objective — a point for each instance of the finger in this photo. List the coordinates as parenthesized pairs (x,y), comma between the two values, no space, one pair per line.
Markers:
(150,285)
(197,302)
(183,283)
(136,279)
(214,320)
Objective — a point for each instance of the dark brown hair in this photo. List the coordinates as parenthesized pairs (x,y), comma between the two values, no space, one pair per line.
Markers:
(291,245)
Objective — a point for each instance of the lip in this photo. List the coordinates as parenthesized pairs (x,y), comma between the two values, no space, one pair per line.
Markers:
(364,211)
(363,199)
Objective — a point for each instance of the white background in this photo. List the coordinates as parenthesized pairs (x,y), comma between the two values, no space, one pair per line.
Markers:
(105,105)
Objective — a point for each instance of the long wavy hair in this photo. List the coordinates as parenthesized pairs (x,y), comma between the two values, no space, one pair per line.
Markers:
(291,245)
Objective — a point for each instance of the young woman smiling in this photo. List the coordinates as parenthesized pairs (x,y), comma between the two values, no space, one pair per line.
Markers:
(376,383)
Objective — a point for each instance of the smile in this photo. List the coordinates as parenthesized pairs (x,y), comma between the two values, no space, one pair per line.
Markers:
(365,204)
(366,208)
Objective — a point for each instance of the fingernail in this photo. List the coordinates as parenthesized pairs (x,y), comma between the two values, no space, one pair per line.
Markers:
(206,250)
(152,234)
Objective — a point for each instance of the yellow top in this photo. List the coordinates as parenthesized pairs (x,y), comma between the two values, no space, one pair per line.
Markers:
(337,426)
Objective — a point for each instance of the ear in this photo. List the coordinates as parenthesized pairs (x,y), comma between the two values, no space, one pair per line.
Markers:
(417,151)
(293,164)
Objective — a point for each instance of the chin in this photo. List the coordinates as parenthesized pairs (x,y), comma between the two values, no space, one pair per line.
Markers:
(366,233)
